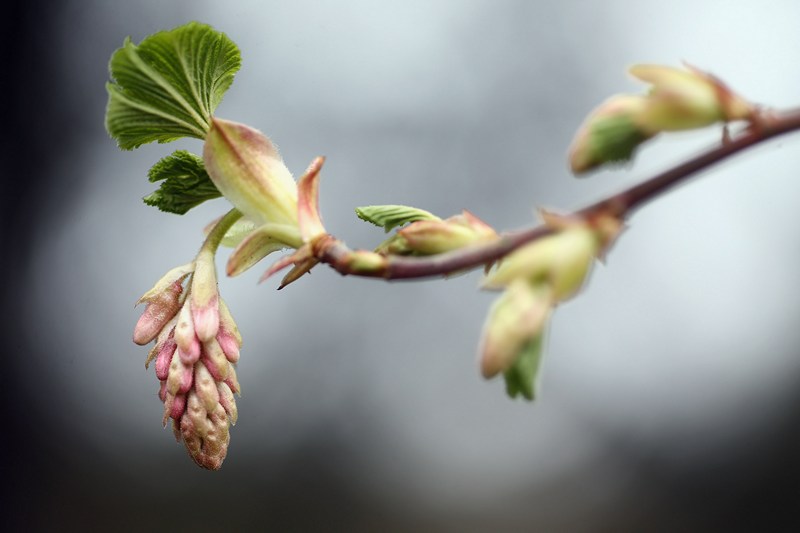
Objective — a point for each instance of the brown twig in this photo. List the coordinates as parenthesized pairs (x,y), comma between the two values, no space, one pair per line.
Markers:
(767,126)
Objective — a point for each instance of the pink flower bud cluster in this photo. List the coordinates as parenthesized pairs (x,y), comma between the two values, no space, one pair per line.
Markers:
(197,345)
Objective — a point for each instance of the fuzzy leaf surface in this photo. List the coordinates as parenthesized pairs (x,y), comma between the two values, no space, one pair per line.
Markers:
(392,216)
(184,183)
(168,86)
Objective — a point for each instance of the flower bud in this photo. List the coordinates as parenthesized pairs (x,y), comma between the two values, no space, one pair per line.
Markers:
(609,134)
(428,237)
(687,99)
(205,432)
(188,344)
(561,261)
(194,355)
(204,297)
(514,320)
(160,310)
(247,169)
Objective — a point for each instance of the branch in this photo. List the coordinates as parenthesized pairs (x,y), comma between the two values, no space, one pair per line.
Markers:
(621,205)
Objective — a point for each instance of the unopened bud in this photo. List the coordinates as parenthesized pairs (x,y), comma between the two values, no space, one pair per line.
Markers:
(609,134)
(188,344)
(247,169)
(514,320)
(160,310)
(428,237)
(687,99)
(205,432)
(205,298)
(561,261)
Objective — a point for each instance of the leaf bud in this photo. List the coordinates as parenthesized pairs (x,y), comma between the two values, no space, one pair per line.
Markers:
(515,319)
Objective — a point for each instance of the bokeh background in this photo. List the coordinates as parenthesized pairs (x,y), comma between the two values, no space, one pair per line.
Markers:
(670,393)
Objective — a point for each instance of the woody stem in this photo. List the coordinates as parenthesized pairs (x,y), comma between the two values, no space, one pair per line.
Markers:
(622,205)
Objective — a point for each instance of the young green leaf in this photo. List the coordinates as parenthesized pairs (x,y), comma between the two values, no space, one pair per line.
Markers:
(184,183)
(168,86)
(521,377)
(392,216)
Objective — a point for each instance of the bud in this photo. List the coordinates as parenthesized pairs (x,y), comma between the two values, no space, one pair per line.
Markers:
(194,354)
(205,432)
(204,297)
(163,302)
(687,99)
(429,237)
(678,100)
(515,319)
(609,134)
(246,168)
(561,261)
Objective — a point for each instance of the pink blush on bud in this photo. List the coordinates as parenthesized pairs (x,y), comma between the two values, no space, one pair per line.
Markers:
(187,378)
(178,407)
(192,355)
(229,345)
(206,320)
(164,358)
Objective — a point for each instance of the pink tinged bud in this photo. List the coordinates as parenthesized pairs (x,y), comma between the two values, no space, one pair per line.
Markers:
(163,337)
(514,320)
(174,407)
(185,337)
(246,167)
(308,215)
(232,381)
(214,359)
(261,242)
(205,433)
(228,402)
(204,297)
(179,377)
(164,359)
(162,390)
(228,323)
(178,406)
(206,387)
(177,274)
(159,311)
(229,345)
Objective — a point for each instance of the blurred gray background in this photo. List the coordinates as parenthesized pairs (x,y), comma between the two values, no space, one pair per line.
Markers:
(670,392)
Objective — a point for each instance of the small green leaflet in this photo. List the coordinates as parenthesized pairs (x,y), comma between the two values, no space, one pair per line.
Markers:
(392,216)
(169,85)
(521,377)
(184,183)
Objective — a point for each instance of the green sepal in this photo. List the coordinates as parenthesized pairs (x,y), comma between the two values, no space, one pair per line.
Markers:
(184,183)
(521,377)
(168,86)
(392,216)
(240,229)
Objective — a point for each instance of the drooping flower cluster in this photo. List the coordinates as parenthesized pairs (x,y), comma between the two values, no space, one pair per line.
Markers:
(196,349)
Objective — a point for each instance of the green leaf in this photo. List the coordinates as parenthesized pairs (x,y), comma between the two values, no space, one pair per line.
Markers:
(169,85)
(391,216)
(521,377)
(185,183)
